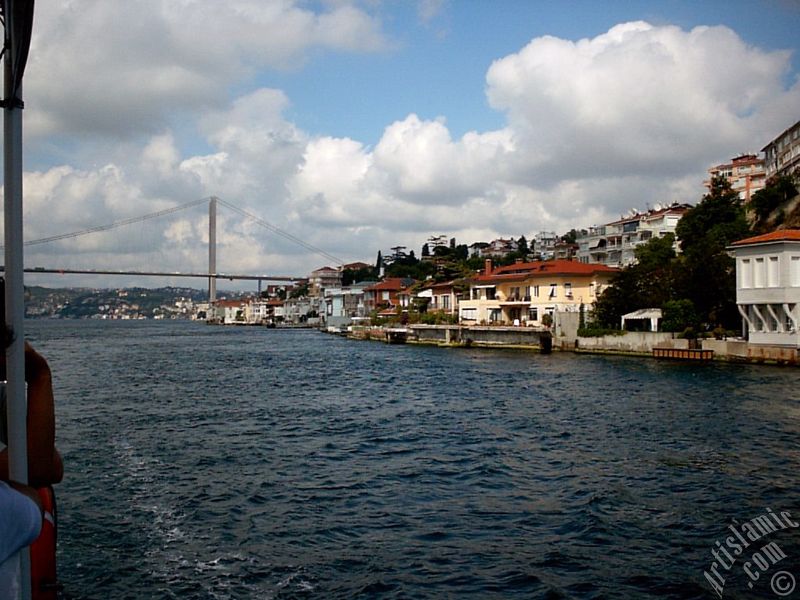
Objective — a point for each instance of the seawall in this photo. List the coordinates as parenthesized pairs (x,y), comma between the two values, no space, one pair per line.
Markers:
(631,343)
(496,336)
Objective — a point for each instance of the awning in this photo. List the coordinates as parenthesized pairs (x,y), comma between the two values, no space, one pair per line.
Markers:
(644,314)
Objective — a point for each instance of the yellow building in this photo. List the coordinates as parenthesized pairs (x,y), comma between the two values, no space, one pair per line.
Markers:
(523,293)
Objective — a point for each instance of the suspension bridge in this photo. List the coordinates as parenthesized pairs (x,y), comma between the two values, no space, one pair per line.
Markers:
(212,274)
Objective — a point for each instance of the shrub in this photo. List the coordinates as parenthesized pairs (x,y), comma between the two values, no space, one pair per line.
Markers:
(678,315)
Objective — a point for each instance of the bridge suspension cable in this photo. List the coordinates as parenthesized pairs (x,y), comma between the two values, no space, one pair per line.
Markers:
(115,224)
(281,232)
(174,209)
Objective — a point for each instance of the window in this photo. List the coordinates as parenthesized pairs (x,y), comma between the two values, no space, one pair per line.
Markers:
(533,314)
(445,302)
(568,290)
(745,273)
(490,293)
(535,291)
(513,293)
(773,274)
(553,290)
(794,269)
(469,314)
(476,293)
(494,315)
(759,273)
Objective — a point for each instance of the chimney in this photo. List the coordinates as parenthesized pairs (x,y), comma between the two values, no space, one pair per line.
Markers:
(487,270)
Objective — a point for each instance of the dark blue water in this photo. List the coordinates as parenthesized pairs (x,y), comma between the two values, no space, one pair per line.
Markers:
(210,462)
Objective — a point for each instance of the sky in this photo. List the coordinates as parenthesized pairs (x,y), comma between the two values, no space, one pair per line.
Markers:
(359,125)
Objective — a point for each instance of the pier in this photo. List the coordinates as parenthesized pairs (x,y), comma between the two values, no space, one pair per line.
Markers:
(683,354)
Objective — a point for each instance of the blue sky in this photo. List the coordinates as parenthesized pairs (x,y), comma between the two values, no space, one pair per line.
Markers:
(358,125)
(438,68)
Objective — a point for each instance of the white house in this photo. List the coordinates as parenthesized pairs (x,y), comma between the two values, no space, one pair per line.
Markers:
(768,287)
(256,311)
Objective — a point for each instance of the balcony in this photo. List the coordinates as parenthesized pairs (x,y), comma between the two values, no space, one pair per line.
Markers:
(515,300)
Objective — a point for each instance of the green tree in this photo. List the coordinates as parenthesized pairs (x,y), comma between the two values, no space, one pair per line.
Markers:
(461,253)
(522,246)
(571,236)
(351,276)
(706,273)
(648,283)
(300,291)
(677,315)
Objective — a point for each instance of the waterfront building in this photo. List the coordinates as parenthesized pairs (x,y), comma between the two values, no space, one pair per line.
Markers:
(256,311)
(768,287)
(782,155)
(275,312)
(343,304)
(230,311)
(300,310)
(440,297)
(523,293)
(385,294)
(745,174)
(202,311)
(614,244)
(322,279)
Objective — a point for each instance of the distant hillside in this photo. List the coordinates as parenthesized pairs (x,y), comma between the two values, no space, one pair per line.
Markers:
(82,303)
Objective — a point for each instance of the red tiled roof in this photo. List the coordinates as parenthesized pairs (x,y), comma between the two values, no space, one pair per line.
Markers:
(429,285)
(546,267)
(231,303)
(783,235)
(391,284)
(356,265)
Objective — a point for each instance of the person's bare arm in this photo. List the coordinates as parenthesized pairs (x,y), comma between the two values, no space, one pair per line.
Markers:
(44,461)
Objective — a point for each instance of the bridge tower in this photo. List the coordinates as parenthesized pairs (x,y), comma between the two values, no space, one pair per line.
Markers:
(212,252)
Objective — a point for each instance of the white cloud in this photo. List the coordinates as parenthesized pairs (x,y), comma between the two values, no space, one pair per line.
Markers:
(117,68)
(639,99)
(428,10)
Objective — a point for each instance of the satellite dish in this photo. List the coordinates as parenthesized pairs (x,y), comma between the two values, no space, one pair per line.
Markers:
(657,206)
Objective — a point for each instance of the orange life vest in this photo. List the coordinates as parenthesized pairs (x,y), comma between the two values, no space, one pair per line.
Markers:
(44,583)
